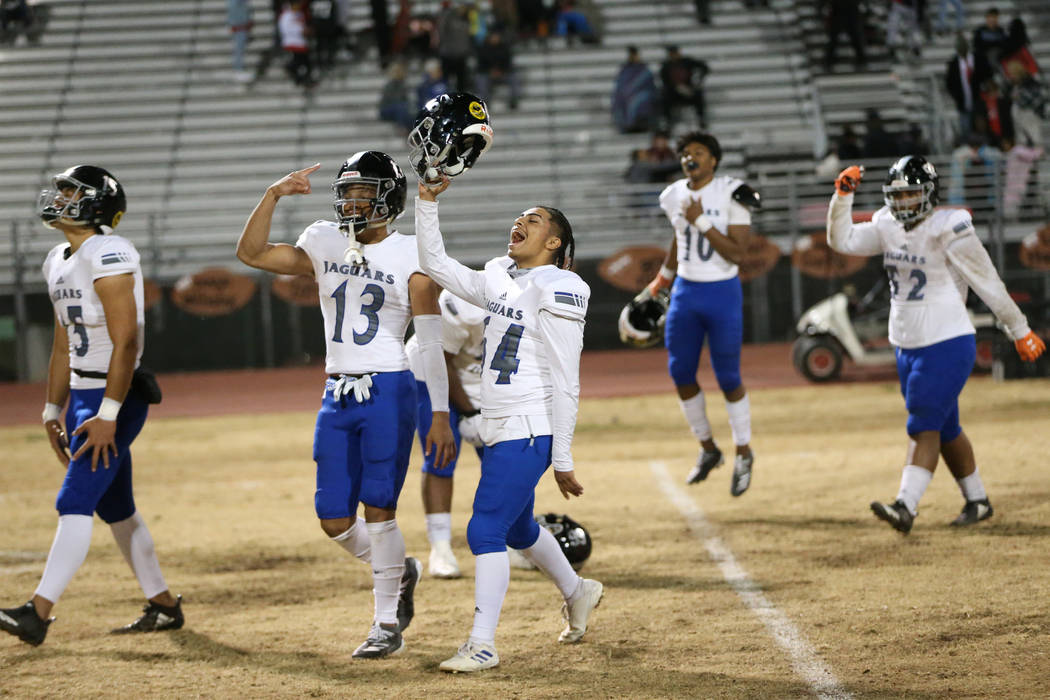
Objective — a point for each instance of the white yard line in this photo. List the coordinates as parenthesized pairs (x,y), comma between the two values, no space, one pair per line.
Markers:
(804,659)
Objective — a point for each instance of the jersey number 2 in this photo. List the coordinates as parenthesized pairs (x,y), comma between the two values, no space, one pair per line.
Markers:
(369,310)
(505,359)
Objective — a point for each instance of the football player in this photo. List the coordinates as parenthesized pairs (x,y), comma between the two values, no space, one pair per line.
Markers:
(95,284)
(712,224)
(533,337)
(931,257)
(463,328)
(370,284)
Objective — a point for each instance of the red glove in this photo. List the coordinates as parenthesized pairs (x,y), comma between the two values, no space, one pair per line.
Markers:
(1030,347)
(849,179)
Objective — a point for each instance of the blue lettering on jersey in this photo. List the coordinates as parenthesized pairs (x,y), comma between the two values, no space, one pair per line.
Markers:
(501,310)
(60,294)
(357,271)
(904,257)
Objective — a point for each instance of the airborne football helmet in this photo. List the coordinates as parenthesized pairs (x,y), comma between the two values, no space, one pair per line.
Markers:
(450,134)
(373,168)
(101,203)
(573,538)
(911,190)
(641,322)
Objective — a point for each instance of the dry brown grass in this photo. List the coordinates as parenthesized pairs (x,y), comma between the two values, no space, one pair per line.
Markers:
(274,610)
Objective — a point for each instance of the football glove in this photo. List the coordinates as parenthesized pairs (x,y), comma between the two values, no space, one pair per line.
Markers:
(849,179)
(1030,347)
(663,280)
(470,429)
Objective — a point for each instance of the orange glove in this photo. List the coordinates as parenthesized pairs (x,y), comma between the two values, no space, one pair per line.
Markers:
(661,282)
(1030,347)
(849,179)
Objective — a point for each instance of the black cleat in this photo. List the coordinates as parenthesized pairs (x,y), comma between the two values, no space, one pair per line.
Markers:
(406,606)
(155,618)
(382,641)
(974,512)
(707,461)
(896,514)
(24,623)
(741,474)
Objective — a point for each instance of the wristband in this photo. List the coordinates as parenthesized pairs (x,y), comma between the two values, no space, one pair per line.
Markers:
(667,273)
(703,223)
(52,411)
(109,409)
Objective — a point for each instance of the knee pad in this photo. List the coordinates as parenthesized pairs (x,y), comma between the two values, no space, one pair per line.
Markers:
(682,372)
(484,535)
(728,380)
(524,534)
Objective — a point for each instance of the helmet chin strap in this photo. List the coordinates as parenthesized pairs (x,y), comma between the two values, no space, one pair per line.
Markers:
(355,251)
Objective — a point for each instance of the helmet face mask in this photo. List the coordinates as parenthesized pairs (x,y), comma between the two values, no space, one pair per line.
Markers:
(376,176)
(84,195)
(641,322)
(450,134)
(911,190)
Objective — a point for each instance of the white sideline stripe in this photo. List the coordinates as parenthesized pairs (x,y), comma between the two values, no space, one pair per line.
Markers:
(20,569)
(804,659)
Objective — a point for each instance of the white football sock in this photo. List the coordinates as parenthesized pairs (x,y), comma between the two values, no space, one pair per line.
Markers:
(439,527)
(548,557)
(356,541)
(136,544)
(914,481)
(491,579)
(68,550)
(972,487)
(388,565)
(740,419)
(695,410)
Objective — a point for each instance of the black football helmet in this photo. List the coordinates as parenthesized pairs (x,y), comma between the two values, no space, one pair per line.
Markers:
(101,202)
(911,190)
(574,539)
(373,168)
(450,134)
(641,322)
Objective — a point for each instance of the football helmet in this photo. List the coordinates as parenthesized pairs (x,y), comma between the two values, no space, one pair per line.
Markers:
(641,322)
(373,168)
(574,539)
(911,190)
(101,202)
(450,134)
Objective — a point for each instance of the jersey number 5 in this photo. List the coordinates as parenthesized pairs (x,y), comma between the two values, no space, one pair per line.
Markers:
(505,359)
(369,310)
(76,320)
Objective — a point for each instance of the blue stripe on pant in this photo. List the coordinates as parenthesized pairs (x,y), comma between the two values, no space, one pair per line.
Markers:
(506,494)
(423,421)
(362,450)
(107,492)
(931,379)
(714,310)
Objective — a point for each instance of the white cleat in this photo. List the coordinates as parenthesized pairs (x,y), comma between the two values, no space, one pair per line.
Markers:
(443,562)
(471,657)
(577,611)
(741,474)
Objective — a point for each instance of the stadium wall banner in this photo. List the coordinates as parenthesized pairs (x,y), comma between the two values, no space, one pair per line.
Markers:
(213,291)
(151,294)
(633,267)
(815,258)
(300,290)
(1034,251)
(759,259)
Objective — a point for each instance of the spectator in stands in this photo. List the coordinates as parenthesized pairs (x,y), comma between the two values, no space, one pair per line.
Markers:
(394,104)
(294,26)
(505,14)
(655,164)
(576,18)
(239,20)
(902,26)
(913,141)
(381,31)
(965,73)
(878,143)
(532,19)
(415,36)
(844,17)
(634,101)
(455,47)
(1017,48)
(1030,105)
(275,49)
(975,152)
(19,17)
(433,84)
(989,38)
(703,11)
(942,16)
(683,84)
(994,121)
(496,66)
(331,34)
(848,149)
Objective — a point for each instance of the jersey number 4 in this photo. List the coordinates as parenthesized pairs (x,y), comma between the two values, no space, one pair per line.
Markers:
(505,359)
(369,310)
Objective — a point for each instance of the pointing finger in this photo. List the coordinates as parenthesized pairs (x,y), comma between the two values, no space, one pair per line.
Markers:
(312,169)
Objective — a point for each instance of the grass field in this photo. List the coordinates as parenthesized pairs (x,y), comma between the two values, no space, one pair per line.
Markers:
(274,610)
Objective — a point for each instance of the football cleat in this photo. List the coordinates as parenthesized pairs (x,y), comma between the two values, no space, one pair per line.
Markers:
(24,623)
(406,606)
(442,563)
(741,474)
(974,512)
(155,618)
(708,460)
(896,514)
(472,656)
(383,641)
(576,612)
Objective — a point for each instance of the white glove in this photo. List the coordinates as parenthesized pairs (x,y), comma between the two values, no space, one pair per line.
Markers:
(360,387)
(470,429)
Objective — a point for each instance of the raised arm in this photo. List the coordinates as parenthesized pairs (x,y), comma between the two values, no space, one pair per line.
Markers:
(451,274)
(843,236)
(254,248)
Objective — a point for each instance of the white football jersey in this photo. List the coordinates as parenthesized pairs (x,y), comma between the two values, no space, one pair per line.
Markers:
(929,269)
(697,259)
(70,284)
(365,307)
(462,335)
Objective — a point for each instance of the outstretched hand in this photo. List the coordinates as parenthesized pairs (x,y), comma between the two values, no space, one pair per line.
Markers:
(297,182)
(849,179)
(428,192)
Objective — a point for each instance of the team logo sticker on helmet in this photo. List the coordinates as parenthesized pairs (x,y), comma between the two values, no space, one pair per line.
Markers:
(477,110)
(116,219)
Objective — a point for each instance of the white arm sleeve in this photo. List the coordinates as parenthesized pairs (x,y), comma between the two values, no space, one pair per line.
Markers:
(432,357)
(563,339)
(971,260)
(450,274)
(843,236)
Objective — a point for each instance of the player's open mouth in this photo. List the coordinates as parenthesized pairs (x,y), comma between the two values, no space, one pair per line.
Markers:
(516,236)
